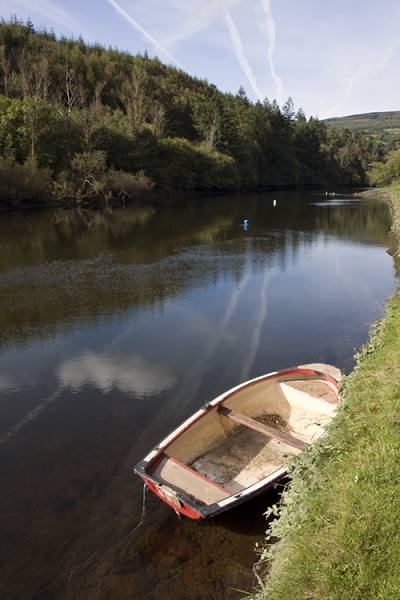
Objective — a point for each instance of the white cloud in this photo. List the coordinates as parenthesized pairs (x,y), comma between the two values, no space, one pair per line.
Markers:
(372,64)
(194,18)
(211,10)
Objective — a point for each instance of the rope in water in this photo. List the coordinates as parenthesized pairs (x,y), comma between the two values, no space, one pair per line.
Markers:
(143,517)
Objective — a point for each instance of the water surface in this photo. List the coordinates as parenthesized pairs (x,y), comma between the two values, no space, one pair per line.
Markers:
(117,325)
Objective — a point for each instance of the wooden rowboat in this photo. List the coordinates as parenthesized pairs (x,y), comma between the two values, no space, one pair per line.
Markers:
(235,447)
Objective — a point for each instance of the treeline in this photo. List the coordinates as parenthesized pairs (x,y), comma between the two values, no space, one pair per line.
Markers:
(386,172)
(376,121)
(80,121)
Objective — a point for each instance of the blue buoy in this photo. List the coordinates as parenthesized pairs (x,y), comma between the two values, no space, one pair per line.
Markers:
(245,222)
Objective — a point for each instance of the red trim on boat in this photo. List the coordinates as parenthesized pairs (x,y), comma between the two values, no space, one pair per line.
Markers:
(164,455)
(188,508)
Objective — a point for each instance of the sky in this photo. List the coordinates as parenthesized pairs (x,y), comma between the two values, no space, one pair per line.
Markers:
(332,58)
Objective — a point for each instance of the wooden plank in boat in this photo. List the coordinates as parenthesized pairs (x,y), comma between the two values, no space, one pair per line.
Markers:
(261,428)
(184,479)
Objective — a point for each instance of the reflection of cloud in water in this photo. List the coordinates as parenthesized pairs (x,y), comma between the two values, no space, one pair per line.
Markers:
(7,384)
(337,202)
(130,375)
(255,341)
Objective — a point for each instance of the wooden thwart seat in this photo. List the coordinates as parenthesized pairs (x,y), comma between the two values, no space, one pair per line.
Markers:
(261,428)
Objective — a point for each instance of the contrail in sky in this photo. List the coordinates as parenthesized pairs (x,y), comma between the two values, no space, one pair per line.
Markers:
(372,64)
(144,32)
(271,28)
(244,63)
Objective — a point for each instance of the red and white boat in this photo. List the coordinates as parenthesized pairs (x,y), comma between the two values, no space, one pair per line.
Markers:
(236,446)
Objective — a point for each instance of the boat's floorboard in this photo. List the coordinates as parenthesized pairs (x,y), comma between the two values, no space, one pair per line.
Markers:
(244,459)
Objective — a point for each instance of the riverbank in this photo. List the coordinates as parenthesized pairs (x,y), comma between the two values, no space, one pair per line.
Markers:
(142,195)
(340,521)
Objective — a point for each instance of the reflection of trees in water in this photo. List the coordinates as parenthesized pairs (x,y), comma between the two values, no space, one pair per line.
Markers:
(66,265)
(367,223)
(30,237)
(393,251)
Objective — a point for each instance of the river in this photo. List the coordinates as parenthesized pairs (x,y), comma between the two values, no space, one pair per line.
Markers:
(116,325)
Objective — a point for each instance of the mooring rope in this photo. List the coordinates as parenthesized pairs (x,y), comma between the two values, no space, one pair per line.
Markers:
(142,520)
(143,517)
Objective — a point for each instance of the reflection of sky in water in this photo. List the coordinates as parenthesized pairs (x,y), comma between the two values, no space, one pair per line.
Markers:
(8,384)
(241,315)
(337,202)
(128,374)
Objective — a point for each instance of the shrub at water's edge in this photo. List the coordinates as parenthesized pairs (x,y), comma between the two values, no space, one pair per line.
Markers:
(386,171)
(23,184)
(339,520)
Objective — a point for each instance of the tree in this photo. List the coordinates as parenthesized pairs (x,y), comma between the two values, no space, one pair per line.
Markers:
(134,96)
(70,94)
(14,138)
(89,168)
(35,80)
(5,63)
(309,139)
(158,120)
(387,172)
(207,117)
(288,110)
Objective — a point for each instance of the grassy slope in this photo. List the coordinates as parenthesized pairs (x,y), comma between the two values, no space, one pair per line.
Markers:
(340,527)
(375,121)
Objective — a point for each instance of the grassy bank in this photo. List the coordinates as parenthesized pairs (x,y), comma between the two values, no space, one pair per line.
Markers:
(339,526)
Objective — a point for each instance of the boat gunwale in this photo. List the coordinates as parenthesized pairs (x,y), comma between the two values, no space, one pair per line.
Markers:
(163,455)
(251,491)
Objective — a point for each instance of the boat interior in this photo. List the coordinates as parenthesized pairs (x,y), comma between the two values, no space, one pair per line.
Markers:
(246,438)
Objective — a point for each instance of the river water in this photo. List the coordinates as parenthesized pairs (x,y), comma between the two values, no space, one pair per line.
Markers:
(114,327)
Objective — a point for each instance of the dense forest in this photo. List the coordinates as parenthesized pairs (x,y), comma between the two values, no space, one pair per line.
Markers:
(381,128)
(86,123)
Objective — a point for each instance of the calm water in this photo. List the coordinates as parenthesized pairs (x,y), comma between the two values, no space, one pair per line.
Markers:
(114,327)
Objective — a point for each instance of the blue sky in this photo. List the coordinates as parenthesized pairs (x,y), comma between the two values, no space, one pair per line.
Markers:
(333,58)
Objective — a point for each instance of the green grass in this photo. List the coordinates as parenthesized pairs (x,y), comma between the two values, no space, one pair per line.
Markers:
(339,525)
(375,121)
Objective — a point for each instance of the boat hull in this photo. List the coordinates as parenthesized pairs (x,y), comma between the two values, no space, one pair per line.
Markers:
(234,448)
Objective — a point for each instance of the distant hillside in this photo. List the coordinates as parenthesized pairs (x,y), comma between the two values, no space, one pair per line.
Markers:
(375,121)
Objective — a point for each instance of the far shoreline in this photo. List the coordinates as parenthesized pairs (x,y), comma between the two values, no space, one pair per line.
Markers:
(168,196)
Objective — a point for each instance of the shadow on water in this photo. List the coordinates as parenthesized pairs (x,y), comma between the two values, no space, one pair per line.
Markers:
(177,558)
